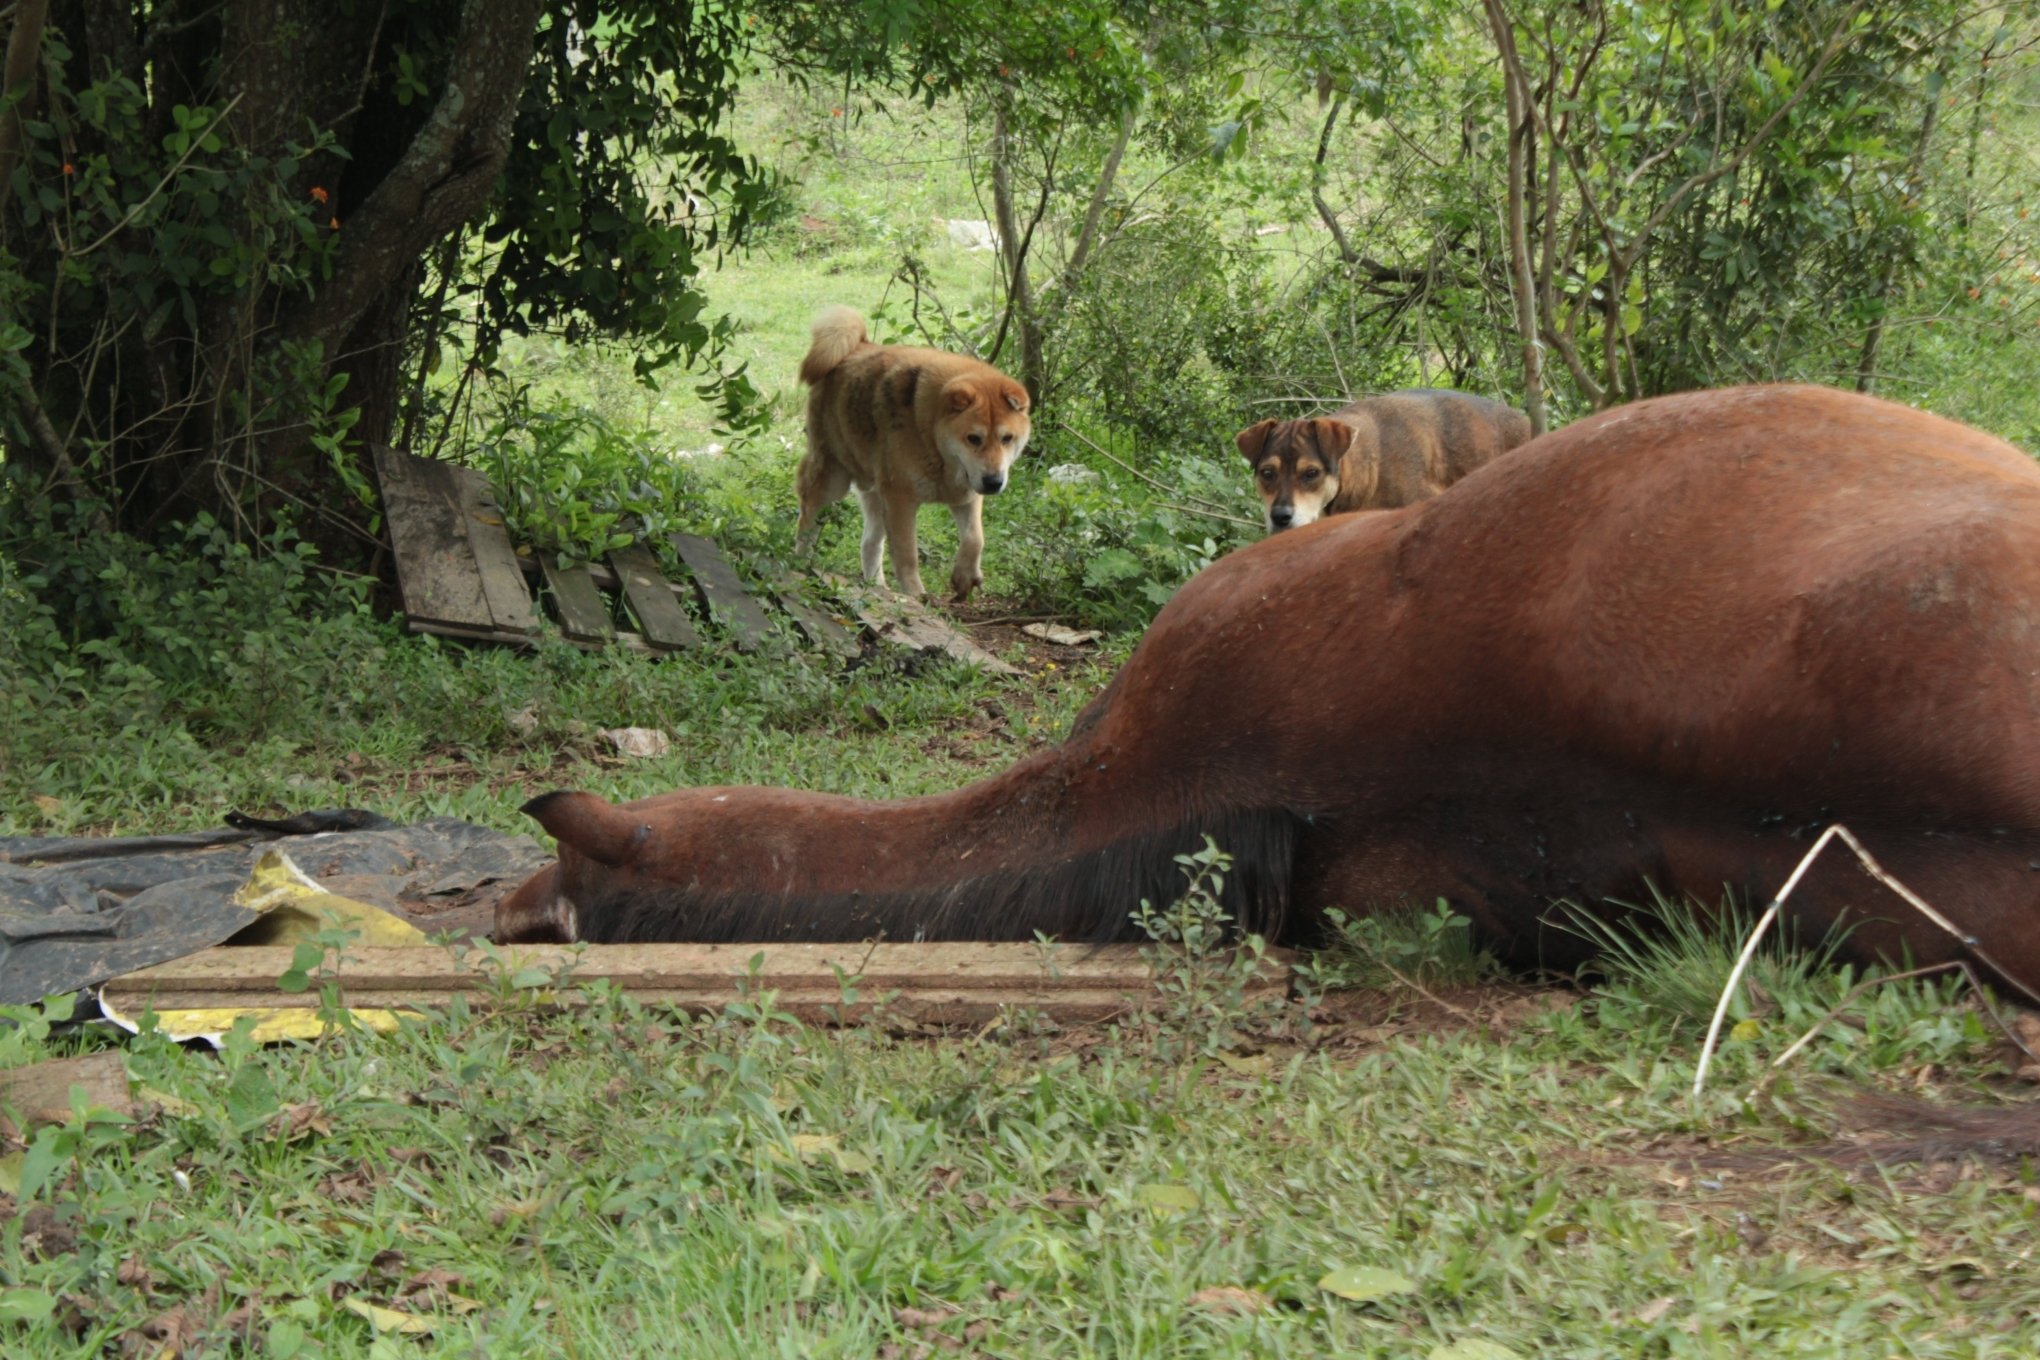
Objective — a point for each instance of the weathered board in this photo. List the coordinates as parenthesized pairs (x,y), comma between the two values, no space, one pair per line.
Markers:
(937,983)
(664,623)
(814,623)
(495,559)
(456,569)
(728,603)
(583,615)
(902,622)
(436,572)
(41,1092)
(460,576)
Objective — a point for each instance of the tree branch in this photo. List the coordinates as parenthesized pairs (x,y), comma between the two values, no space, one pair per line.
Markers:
(1749,147)
(1522,125)
(18,84)
(444,178)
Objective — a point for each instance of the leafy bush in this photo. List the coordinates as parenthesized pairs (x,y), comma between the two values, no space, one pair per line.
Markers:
(1393,947)
(1675,957)
(1202,966)
(1088,539)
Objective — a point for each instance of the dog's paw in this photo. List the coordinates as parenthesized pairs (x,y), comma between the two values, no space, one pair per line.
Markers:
(961,586)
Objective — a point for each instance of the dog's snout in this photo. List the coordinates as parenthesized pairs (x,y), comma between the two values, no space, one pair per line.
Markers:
(1281,516)
(992,483)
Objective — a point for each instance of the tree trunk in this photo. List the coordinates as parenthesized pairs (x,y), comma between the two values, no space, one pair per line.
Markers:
(206,401)
(1873,336)
(18,85)
(1522,145)
(1013,250)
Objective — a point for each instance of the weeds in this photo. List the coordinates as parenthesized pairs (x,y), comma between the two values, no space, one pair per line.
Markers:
(1676,957)
(1203,970)
(1394,947)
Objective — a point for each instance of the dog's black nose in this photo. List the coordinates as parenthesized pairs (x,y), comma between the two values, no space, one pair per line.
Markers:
(991,484)
(1279,516)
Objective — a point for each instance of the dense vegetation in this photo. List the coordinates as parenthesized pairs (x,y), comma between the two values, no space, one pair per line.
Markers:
(577,246)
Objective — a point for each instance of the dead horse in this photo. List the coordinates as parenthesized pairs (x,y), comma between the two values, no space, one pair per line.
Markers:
(1664,645)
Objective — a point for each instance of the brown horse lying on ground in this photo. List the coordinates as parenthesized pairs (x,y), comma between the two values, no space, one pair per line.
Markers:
(1663,645)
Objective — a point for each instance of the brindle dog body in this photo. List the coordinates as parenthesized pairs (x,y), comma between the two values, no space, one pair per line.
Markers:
(1664,650)
(907,427)
(1380,453)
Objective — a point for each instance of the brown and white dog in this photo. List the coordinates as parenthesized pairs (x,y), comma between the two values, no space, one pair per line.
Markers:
(1380,453)
(907,427)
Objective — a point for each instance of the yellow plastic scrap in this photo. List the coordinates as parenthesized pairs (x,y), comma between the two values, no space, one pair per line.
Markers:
(273,1024)
(291,907)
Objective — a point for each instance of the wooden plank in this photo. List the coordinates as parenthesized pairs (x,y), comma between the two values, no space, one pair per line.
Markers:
(436,572)
(902,622)
(948,983)
(815,623)
(488,539)
(454,630)
(598,572)
(728,603)
(650,595)
(41,1092)
(583,615)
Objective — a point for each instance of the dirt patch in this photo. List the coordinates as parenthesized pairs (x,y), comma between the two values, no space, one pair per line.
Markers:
(1365,1019)
(1885,1129)
(45,1231)
(999,626)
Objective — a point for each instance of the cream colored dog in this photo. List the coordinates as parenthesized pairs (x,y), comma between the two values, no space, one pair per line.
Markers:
(907,427)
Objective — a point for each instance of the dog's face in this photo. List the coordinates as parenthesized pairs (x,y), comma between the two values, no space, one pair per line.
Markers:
(1296,467)
(983,429)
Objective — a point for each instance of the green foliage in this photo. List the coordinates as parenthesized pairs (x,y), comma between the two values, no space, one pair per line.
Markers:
(235,637)
(570,482)
(151,687)
(1676,957)
(1391,948)
(1202,967)
(1094,543)
(134,224)
(620,172)
(25,1030)
(736,1180)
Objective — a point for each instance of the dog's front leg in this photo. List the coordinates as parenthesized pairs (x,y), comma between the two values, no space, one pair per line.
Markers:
(899,534)
(869,552)
(968,573)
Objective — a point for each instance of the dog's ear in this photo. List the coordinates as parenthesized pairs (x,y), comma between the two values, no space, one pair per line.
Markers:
(1333,438)
(1015,395)
(1254,438)
(961,394)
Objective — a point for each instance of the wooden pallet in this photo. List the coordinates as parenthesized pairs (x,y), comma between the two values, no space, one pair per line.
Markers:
(461,576)
(934,983)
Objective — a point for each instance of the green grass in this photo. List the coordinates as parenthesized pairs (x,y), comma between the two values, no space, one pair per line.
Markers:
(412,727)
(621,1181)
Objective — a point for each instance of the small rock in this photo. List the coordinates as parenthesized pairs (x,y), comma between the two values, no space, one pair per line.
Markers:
(1061,636)
(644,742)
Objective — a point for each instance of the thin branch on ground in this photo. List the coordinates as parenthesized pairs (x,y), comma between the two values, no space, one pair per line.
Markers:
(1932,970)
(1877,871)
(1203,507)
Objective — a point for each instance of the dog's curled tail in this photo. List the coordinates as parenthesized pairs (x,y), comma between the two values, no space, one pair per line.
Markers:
(838,332)
(597,829)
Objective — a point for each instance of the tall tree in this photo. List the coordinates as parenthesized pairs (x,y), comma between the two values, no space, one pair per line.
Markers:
(221,218)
